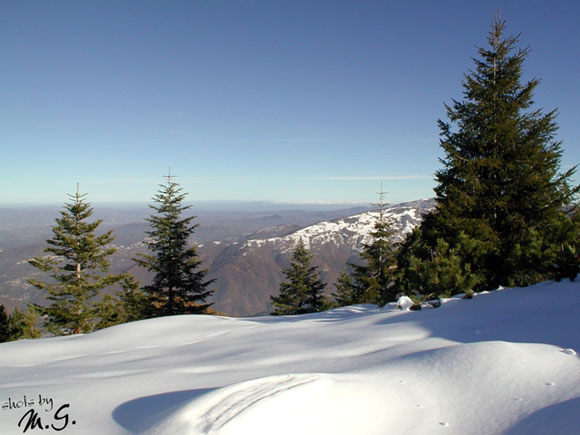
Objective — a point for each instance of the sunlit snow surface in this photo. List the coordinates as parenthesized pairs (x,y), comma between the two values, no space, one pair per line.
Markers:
(503,362)
(351,230)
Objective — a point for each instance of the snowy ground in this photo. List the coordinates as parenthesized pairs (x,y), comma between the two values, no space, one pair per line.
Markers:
(503,362)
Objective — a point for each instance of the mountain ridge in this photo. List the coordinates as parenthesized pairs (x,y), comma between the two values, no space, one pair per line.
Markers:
(245,253)
(249,272)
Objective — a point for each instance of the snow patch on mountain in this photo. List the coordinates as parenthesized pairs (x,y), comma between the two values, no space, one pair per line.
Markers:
(352,230)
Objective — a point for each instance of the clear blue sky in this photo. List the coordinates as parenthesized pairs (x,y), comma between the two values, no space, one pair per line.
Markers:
(254,100)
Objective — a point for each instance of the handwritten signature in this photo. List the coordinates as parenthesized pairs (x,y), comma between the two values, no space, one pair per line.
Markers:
(58,420)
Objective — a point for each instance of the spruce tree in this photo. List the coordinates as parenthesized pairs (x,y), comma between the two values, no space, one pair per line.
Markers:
(77,265)
(345,292)
(25,323)
(126,305)
(568,247)
(303,292)
(179,285)
(448,272)
(6,331)
(18,325)
(373,279)
(500,198)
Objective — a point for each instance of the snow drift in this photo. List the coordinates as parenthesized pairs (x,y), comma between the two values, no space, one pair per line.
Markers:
(503,362)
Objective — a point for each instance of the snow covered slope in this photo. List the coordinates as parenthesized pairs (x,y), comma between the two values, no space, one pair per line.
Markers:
(503,362)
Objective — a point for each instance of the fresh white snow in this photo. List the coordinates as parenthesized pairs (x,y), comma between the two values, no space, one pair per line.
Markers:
(352,230)
(503,362)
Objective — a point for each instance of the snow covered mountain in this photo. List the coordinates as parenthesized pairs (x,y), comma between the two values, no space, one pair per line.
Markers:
(504,362)
(351,230)
(248,273)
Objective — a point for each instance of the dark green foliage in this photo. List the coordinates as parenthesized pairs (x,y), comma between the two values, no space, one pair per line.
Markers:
(499,217)
(304,291)
(567,247)
(77,263)
(19,325)
(345,293)
(373,280)
(25,323)
(441,271)
(179,286)
(5,325)
(126,305)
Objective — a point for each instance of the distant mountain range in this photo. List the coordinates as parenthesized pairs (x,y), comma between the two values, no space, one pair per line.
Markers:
(248,273)
(244,251)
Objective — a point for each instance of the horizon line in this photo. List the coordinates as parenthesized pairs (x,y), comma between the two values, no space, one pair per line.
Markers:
(198,201)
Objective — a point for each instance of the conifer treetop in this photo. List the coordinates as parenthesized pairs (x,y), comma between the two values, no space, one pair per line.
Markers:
(169,196)
(74,238)
(78,267)
(179,286)
(303,292)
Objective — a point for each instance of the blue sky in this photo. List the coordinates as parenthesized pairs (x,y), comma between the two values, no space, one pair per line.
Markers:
(254,100)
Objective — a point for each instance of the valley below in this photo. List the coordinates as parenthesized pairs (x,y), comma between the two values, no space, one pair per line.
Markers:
(245,247)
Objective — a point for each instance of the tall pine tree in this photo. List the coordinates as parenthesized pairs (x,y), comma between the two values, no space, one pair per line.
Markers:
(500,198)
(77,264)
(303,292)
(179,285)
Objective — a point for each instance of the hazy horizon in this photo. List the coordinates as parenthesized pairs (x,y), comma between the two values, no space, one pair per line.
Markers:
(221,204)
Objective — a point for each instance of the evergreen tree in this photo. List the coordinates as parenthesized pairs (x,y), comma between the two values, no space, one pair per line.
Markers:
(499,195)
(447,271)
(568,247)
(18,325)
(304,290)
(25,323)
(374,279)
(345,292)
(6,331)
(179,286)
(126,305)
(78,266)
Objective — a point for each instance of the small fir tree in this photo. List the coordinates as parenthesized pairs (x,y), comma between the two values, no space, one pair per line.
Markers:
(126,305)
(447,271)
(345,292)
(179,285)
(78,265)
(567,247)
(6,331)
(25,323)
(18,325)
(303,292)
(373,280)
